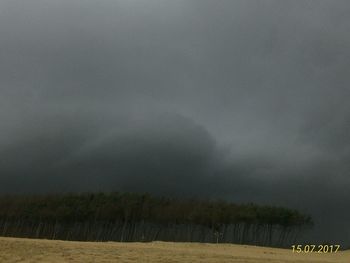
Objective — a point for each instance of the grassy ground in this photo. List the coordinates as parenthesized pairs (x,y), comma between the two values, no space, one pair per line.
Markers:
(35,250)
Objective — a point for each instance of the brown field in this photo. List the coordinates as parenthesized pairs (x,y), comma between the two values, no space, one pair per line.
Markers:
(35,250)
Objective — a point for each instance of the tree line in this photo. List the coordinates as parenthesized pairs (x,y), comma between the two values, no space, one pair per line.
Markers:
(142,217)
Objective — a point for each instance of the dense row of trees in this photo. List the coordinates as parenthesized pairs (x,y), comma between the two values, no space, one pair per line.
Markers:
(141,217)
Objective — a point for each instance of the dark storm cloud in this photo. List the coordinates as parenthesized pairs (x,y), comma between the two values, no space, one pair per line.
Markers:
(244,100)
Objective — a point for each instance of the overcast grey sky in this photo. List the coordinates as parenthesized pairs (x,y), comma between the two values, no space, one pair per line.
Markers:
(243,100)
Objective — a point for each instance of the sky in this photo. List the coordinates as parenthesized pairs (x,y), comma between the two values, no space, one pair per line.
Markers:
(241,100)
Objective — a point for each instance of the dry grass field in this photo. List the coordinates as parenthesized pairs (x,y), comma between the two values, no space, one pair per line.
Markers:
(35,250)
